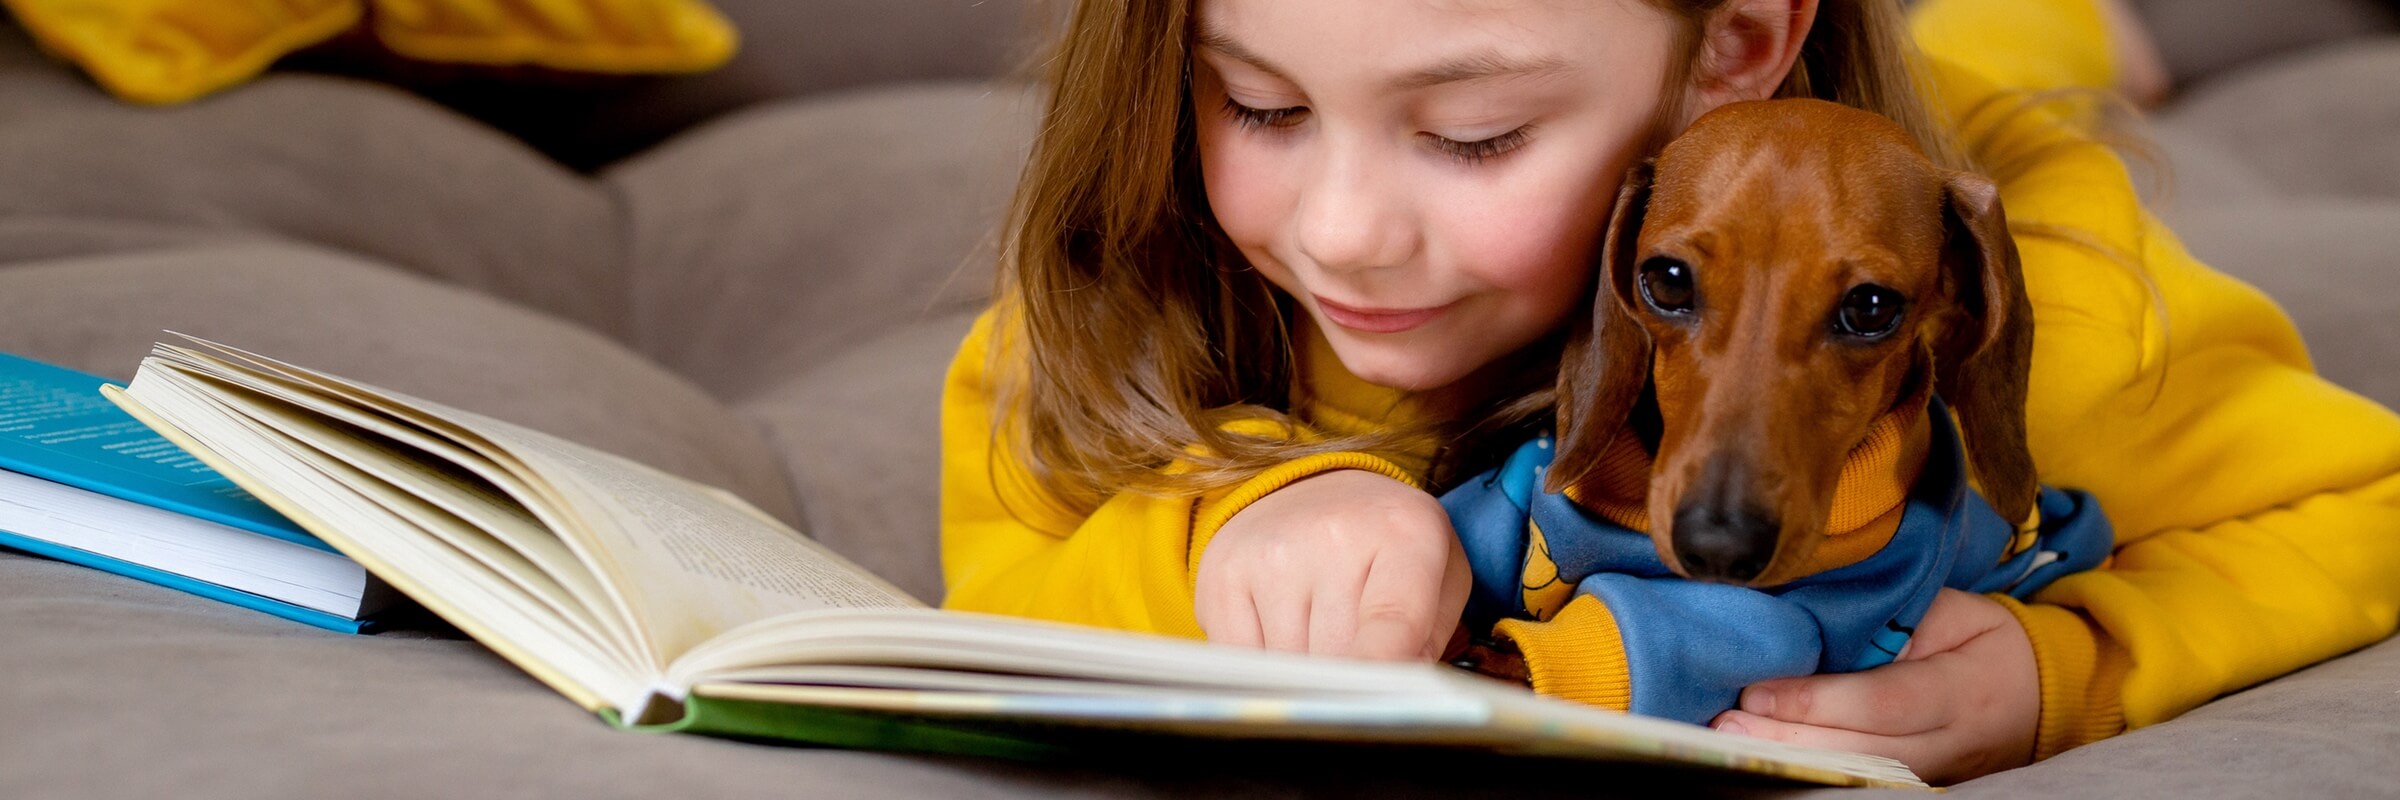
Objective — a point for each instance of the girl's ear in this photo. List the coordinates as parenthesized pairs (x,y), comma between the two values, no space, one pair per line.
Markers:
(1606,363)
(1746,49)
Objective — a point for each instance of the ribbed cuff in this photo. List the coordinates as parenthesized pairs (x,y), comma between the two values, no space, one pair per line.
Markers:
(1578,655)
(2082,677)
(1212,515)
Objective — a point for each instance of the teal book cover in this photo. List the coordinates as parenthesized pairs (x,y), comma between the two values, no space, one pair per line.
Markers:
(55,425)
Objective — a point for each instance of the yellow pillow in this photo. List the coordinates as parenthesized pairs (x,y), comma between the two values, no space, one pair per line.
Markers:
(168,51)
(587,35)
(164,51)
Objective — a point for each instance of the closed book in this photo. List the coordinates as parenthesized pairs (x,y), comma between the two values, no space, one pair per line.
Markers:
(83,482)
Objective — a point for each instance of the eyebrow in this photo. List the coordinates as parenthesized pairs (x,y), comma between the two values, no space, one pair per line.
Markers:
(1478,65)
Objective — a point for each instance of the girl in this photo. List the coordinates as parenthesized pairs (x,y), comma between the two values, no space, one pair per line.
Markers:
(1276,269)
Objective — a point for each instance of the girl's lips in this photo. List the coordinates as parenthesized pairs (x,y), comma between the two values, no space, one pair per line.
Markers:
(1378,320)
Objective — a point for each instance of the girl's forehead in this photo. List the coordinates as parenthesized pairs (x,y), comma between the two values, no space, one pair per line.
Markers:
(1408,37)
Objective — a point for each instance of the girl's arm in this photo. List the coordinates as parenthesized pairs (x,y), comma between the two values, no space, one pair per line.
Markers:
(2021,44)
(1130,565)
(2257,506)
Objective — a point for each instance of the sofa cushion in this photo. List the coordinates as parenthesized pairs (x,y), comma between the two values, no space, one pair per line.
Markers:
(789,49)
(2326,731)
(334,162)
(381,325)
(2318,122)
(2174,166)
(771,241)
(861,436)
(2202,38)
(118,688)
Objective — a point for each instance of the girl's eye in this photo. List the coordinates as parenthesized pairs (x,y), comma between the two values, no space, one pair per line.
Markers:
(1667,285)
(1248,117)
(1869,312)
(1476,151)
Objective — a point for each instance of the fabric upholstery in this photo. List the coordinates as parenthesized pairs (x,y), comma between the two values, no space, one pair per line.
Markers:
(333,162)
(865,482)
(361,320)
(2200,39)
(118,688)
(877,209)
(2321,122)
(791,49)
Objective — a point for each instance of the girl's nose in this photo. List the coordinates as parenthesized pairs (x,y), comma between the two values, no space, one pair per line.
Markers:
(1351,217)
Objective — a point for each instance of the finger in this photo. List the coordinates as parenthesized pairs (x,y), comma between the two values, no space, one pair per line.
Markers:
(1450,608)
(1954,619)
(1910,750)
(1283,610)
(1396,606)
(1226,615)
(1895,699)
(1333,613)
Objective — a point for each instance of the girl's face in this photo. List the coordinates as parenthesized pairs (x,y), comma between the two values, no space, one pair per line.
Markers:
(1429,179)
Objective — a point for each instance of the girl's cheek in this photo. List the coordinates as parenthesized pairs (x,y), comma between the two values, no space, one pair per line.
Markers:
(1246,191)
(1538,251)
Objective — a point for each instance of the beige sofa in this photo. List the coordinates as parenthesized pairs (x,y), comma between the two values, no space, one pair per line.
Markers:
(765,296)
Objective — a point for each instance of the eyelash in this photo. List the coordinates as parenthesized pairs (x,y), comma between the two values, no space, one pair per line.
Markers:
(1474,152)
(1249,118)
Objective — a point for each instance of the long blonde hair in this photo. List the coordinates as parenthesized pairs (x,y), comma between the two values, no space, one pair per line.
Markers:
(1131,333)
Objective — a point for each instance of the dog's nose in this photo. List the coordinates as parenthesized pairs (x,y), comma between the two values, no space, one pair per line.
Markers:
(1720,543)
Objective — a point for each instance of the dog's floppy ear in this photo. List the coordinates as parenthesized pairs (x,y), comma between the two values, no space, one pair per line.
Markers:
(1981,363)
(1606,362)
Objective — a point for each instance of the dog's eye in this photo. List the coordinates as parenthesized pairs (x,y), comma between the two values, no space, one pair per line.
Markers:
(1667,285)
(1870,311)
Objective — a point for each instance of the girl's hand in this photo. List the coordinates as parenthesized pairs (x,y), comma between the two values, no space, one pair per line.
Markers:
(1961,702)
(1345,563)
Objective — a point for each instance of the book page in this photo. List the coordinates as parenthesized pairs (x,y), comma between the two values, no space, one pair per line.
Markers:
(437,470)
(700,565)
(452,584)
(502,543)
(972,642)
(687,561)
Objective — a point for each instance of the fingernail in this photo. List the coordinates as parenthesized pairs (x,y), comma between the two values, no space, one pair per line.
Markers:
(1733,726)
(1762,703)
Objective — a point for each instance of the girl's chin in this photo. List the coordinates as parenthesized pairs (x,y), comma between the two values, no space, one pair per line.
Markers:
(1402,373)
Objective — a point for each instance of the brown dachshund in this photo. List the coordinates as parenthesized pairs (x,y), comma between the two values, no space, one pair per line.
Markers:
(1780,276)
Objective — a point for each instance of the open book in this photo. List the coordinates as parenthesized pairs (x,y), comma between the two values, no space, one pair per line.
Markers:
(661,604)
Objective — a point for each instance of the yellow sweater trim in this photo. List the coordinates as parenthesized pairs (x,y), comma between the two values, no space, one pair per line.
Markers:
(2082,677)
(1578,655)
(1211,515)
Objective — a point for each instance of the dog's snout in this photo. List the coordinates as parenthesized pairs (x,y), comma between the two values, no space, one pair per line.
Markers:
(1717,542)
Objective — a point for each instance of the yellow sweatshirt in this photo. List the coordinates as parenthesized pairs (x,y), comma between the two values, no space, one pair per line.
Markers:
(2257,506)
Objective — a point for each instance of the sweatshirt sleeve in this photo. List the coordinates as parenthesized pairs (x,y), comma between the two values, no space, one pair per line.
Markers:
(2256,505)
(1669,648)
(2021,44)
(1129,565)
